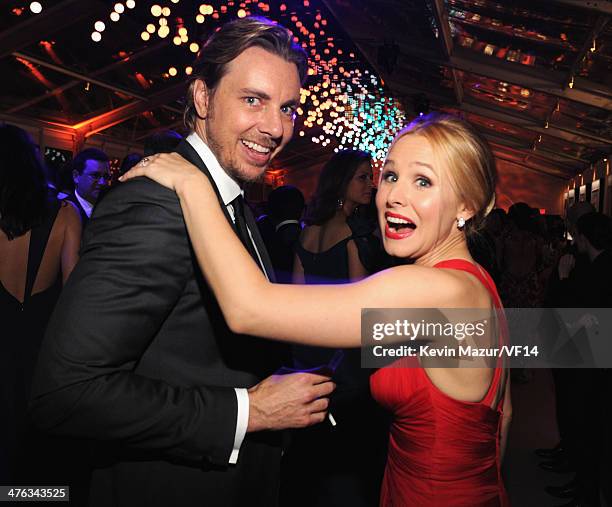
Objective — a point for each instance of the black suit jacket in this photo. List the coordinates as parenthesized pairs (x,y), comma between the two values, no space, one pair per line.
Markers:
(138,358)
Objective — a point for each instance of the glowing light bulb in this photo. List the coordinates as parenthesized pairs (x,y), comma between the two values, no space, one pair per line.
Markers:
(156,10)
(145,36)
(188,70)
(182,31)
(172,71)
(151,28)
(36,7)
(163,31)
(99,26)
(241,13)
(96,36)
(115,16)
(130,4)
(177,40)
(119,8)
(200,18)
(194,47)
(166,11)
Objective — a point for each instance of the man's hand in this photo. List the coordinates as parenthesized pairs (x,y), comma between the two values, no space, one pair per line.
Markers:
(295,400)
(566,265)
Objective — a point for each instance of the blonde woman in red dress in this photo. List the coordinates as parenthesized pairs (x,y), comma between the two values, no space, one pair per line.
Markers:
(450,425)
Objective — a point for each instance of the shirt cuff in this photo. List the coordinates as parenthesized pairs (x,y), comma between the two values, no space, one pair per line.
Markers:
(242,422)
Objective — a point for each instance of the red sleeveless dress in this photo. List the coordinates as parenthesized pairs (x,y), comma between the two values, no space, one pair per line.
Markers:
(442,452)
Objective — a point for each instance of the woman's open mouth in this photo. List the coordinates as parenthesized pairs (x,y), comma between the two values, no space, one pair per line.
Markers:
(398,226)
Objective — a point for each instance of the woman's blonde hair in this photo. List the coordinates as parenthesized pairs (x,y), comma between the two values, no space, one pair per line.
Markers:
(458,146)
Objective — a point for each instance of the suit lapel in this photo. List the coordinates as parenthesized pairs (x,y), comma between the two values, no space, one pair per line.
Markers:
(188,152)
(257,239)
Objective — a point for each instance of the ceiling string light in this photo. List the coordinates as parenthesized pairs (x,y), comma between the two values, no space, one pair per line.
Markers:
(36,7)
(343,102)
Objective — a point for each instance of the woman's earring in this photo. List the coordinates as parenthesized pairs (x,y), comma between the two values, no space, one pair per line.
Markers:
(460,223)
(339,203)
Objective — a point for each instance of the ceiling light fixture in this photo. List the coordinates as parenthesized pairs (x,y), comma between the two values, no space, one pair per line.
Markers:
(36,7)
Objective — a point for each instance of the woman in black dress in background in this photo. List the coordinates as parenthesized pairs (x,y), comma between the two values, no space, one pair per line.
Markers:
(336,463)
(39,242)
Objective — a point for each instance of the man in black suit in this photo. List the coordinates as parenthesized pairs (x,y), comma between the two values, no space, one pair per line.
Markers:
(138,356)
(90,174)
(281,229)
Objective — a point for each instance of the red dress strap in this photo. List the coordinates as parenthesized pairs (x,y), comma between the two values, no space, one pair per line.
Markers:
(478,271)
(484,277)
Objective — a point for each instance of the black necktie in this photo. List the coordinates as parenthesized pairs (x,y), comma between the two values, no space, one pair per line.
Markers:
(241,227)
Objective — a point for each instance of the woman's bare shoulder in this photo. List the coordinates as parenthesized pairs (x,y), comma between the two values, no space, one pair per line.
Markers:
(444,288)
(68,214)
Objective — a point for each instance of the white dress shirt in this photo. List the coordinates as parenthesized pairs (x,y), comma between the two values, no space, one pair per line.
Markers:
(86,205)
(229,189)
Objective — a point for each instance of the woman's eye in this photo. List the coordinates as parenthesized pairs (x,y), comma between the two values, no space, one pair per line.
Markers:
(423,182)
(389,176)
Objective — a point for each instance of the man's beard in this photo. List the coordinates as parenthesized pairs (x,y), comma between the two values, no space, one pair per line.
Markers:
(228,165)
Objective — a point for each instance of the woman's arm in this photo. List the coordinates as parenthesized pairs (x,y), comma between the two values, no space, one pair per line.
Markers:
(328,315)
(72,239)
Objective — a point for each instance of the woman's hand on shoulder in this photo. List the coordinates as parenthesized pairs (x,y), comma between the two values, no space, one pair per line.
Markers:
(168,169)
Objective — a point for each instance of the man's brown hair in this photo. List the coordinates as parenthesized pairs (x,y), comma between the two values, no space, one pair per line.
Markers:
(229,42)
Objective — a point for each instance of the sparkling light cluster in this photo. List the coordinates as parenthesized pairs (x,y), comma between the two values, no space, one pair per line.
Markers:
(115,15)
(343,102)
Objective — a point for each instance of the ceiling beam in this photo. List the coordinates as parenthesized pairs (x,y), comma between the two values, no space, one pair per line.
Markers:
(446,43)
(503,152)
(50,21)
(517,120)
(61,89)
(513,118)
(84,77)
(543,163)
(550,157)
(111,118)
(541,80)
(602,6)
(171,126)
(527,149)
(365,35)
(535,79)
(600,25)
(525,164)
